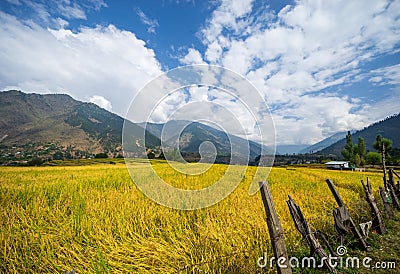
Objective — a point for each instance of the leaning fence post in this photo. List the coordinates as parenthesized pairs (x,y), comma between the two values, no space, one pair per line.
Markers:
(395,173)
(377,221)
(395,200)
(275,230)
(310,236)
(386,204)
(353,227)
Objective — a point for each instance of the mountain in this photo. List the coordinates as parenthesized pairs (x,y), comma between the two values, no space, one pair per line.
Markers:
(324,143)
(388,128)
(59,119)
(57,122)
(289,149)
(195,133)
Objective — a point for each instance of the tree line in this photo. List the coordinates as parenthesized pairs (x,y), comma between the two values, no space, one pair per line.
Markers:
(357,155)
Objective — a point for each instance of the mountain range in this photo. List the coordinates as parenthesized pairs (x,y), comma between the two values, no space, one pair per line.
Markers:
(388,128)
(324,143)
(28,118)
(64,122)
(193,134)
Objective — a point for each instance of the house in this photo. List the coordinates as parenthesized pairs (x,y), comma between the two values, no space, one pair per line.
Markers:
(337,165)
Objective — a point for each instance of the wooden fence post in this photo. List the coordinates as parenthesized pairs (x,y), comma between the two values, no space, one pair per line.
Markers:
(395,173)
(393,183)
(386,204)
(377,221)
(384,166)
(275,230)
(307,233)
(353,226)
(397,186)
(395,200)
(390,186)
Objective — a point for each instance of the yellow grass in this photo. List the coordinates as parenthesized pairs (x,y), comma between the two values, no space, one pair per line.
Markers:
(92,219)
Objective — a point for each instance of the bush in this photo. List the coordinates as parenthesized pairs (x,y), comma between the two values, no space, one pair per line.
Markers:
(101,155)
(35,162)
(373,158)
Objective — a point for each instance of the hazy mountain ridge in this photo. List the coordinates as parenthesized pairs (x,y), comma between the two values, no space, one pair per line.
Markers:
(195,133)
(388,128)
(325,143)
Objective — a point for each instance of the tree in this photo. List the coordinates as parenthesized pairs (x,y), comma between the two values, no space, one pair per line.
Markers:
(58,155)
(35,162)
(101,155)
(380,141)
(151,155)
(161,156)
(373,158)
(360,151)
(348,151)
(357,160)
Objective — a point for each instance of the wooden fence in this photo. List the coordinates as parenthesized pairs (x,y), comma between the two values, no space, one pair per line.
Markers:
(344,224)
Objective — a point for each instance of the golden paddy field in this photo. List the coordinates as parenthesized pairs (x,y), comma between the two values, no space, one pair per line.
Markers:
(93,219)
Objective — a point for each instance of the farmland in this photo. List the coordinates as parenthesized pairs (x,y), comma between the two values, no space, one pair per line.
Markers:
(93,219)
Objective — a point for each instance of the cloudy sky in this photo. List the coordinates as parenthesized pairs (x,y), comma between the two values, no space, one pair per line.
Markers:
(323,66)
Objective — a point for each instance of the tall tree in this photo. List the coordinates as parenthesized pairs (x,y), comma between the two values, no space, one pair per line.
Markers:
(380,141)
(348,151)
(383,145)
(360,151)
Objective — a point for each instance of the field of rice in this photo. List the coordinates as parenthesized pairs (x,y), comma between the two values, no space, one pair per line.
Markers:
(93,219)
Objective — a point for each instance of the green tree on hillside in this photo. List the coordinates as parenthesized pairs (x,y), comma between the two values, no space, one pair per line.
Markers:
(348,151)
(354,154)
(380,141)
(360,152)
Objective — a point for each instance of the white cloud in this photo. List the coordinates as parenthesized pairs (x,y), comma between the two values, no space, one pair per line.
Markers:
(305,48)
(382,109)
(47,12)
(192,57)
(387,75)
(151,23)
(73,11)
(101,102)
(103,61)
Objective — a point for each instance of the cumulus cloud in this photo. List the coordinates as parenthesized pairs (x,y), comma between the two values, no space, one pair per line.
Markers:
(292,55)
(192,57)
(103,61)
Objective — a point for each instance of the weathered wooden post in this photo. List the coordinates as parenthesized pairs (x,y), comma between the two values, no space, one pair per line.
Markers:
(275,230)
(377,221)
(393,183)
(395,173)
(384,166)
(307,233)
(395,200)
(386,204)
(353,227)
(397,186)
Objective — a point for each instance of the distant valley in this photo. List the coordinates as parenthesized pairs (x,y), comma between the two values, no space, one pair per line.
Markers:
(56,126)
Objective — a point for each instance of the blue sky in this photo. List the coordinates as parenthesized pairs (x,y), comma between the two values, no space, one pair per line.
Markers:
(323,66)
